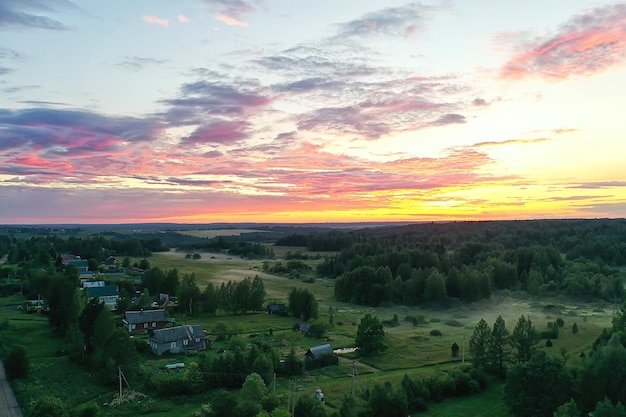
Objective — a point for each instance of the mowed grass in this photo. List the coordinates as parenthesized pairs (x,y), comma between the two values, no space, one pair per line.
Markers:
(485,404)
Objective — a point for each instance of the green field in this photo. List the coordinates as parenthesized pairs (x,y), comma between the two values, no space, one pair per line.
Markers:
(412,350)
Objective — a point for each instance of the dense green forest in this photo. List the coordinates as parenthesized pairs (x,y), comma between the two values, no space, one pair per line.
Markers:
(447,262)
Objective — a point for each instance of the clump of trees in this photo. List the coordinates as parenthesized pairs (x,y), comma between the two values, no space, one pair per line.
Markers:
(235,297)
(447,263)
(303,304)
(370,336)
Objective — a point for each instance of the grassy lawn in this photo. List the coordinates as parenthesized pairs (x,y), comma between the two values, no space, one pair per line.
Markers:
(486,404)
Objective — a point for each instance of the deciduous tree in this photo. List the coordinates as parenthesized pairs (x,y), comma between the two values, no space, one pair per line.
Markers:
(370,336)
(537,387)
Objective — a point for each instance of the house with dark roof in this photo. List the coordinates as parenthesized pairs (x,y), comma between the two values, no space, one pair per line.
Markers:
(180,339)
(109,294)
(318,352)
(320,356)
(280,309)
(137,322)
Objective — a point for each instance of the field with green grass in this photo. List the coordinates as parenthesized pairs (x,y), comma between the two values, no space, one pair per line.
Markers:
(412,349)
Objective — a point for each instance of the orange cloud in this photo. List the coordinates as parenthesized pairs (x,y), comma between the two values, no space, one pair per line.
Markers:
(156,20)
(586,45)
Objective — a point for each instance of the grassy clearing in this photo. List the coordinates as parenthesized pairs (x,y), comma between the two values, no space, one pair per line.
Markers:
(219,268)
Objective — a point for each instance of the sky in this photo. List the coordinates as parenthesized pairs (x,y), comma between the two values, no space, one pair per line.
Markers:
(297,111)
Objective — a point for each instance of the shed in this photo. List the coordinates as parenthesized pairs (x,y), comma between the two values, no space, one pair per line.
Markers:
(317,352)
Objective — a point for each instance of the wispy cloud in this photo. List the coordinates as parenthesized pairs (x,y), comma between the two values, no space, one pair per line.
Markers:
(510,142)
(587,44)
(33,14)
(137,63)
(183,19)
(396,21)
(232,12)
(600,185)
(155,20)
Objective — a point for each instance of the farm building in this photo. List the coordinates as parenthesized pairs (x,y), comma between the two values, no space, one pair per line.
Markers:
(142,321)
(180,339)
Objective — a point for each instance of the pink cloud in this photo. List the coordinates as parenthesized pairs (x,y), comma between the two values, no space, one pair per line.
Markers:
(156,20)
(231,21)
(183,19)
(587,44)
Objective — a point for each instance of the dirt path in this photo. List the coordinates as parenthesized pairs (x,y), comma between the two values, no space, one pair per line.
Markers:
(8,404)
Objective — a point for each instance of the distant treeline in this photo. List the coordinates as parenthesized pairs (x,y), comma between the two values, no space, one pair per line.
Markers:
(467,261)
(43,251)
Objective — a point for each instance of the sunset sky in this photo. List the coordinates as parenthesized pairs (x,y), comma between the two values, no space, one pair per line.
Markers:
(311,111)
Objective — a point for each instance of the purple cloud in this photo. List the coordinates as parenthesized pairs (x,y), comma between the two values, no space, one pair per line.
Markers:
(221,132)
(26,14)
(395,21)
(67,131)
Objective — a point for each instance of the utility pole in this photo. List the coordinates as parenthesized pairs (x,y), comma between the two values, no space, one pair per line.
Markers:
(119,376)
(463,360)
(353,376)
(293,398)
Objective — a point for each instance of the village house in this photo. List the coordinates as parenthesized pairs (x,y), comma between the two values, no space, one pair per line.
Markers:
(82,265)
(180,339)
(137,322)
(109,294)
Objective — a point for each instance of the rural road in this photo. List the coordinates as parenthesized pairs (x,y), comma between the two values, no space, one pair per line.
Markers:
(8,404)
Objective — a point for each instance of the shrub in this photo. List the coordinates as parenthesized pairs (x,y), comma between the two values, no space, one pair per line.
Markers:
(574,328)
(17,364)
(560,322)
(453,323)
(436,332)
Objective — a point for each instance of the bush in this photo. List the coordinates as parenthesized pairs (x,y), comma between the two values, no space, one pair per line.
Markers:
(560,322)
(552,333)
(574,328)
(436,332)
(453,323)
(17,364)
(142,346)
